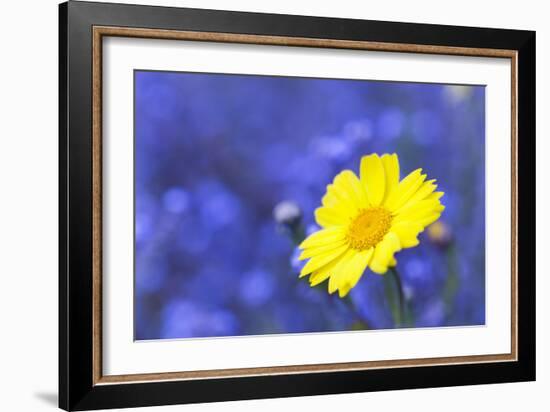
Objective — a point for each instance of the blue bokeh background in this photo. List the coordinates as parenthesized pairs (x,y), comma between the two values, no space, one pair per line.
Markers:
(214,154)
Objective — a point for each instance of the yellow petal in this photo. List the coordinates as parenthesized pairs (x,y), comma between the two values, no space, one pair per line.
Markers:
(319,276)
(435,195)
(391,170)
(419,211)
(320,260)
(354,270)
(383,253)
(344,190)
(422,193)
(344,290)
(324,236)
(428,220)
(327,216)
(405,189)
(338,268)
(319,250)
(334,201)
(407,233)
(416,208)
(373,178)
(353,185)
(329,199)
(322,274)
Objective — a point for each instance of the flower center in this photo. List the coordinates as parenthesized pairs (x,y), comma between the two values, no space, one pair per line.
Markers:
(368,228)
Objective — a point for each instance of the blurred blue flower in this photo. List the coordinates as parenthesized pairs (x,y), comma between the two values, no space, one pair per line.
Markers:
(312,228)
(390,123)
(277,154)
(214,281)
(331,148)
(143,226)
(218,205)
(433,314)
(295,263)
(180,318)
(150,276)
(175,200)
(193,238)
(358,131)
(311,168)
(289,317)
(223,323)
(256,288)
(309,294)
(426,127)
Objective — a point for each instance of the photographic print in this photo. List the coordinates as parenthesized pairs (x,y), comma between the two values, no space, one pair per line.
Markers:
(275,205)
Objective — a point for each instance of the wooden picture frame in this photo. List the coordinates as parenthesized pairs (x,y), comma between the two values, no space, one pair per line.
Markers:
(82,384)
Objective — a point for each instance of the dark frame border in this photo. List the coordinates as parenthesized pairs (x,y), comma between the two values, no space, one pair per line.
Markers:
(78,390)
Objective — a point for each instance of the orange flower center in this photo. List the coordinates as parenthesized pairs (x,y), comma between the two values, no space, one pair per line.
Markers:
(368,228)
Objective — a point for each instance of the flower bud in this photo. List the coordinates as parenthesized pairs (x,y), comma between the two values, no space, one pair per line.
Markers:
(440,234)
(287,213)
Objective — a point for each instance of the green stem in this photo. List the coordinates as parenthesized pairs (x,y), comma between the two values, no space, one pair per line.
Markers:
(452,282)
(400,294)
(297,233)
(396,299)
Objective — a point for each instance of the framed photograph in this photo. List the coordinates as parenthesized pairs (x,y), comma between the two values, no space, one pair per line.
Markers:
(256,205)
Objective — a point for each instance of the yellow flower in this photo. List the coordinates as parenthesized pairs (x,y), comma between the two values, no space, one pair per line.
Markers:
(366,220)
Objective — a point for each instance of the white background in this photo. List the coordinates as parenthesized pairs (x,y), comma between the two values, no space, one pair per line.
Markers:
(28,210)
